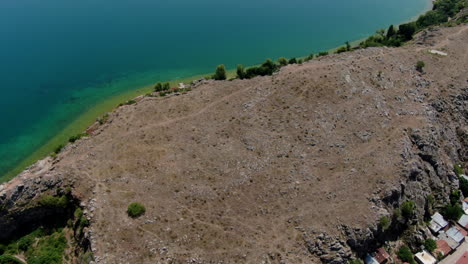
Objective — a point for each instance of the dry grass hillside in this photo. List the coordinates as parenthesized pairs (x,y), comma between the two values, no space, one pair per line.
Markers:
(245,171)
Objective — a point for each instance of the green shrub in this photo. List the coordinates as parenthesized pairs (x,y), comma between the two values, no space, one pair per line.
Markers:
(158,87)
(267,68)
(72,139)
(407,209)
(455,197)
(162,93)
(292,61)
(355,261)
(282,61)
(54,201)
(322,53)
(463,186)
(49,250)
(240,71)
(341,50)
(405,255)
(25,242)
(220,73)
(430,245)
(458,170)
(135,210)
(407,30)
(7,259)
(310,57)
(384,222)
(452,212)
(58,148)
(420,66)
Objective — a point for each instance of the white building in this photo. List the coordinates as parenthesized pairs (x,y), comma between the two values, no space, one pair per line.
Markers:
(437,223)
(425,258)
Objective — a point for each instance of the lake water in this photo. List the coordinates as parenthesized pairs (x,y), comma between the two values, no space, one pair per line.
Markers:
(60,57)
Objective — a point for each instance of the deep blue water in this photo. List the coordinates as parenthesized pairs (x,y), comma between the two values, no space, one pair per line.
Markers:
(60,57)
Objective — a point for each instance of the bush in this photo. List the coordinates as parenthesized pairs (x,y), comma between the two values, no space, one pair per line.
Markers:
(458,170)
(405,255)
(72,139)
(310,57)
(58,148)
(420,66)
(355,261)
(135,210)
(283,61)
(455,197)
(53,201)
(25,242)
(430,245)
(7,259)
(220,73)
(322,53)
(463,186)
(407,30)
(158,87)
(341,50)
(452,212)
(267,68)
(49,250)
(407,209)
(384,223)
(240,71)
(292,61)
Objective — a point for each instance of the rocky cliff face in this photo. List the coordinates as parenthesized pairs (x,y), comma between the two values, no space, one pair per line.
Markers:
(292,168)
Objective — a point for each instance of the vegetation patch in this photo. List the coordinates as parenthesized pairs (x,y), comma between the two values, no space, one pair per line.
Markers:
(135,210)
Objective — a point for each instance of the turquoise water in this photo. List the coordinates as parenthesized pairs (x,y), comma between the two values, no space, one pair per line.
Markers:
(60,57)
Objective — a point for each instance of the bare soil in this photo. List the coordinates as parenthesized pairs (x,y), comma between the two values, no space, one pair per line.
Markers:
(234,171)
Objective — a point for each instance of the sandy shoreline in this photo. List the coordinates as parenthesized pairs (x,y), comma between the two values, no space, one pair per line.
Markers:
(82,122)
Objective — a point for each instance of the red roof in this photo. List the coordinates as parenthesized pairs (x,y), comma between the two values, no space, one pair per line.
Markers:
(381,255)
(443,247)
(463,259)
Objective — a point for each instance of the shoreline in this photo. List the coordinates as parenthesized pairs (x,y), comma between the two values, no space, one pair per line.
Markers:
(109,104)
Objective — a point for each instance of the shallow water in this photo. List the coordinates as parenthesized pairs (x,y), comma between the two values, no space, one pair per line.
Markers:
(60,57)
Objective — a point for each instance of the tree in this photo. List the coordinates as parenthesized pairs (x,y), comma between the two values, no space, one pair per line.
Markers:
(455,197)
(158,87)
(292,61)
(283,61)
(405,254)
(463,186)
(341,50)
(135,210)
(407,30)
(384,223)
(166,86)
(452,212)
(391,32)
(407,209)
(348,46)
(220,73)
(420,66)
(240,71)
(430,245)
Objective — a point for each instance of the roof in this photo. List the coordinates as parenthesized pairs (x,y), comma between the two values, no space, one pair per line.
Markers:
(442,247)
(465,206)
(455,234)
(452,243)
(370,260)
(381,255)
(464,220)
(437,223)
(463,259)
(425,258)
